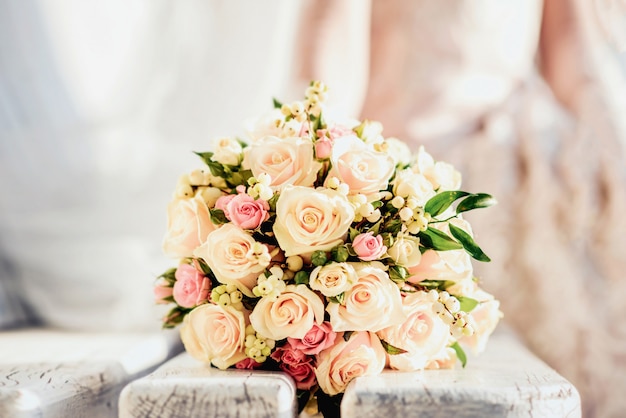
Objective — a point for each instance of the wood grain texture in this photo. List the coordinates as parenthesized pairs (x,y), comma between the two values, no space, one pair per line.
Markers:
(505,381)
(49,373)
(183,387)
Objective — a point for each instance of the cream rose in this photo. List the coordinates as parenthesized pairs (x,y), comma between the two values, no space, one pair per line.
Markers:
(441,175)
(291,314)
(308,220)
(405,251)
(363,169)
(399,151)
(287,161)
(231,254)
(227,151)
(371,304)
(415,185)
(188,225)
(332,279)
(361,355)
(215,334)
(423,334)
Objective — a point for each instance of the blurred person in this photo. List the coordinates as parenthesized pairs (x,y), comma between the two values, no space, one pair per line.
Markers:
(101,105)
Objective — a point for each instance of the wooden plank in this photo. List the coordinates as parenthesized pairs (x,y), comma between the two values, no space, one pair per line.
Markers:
(51,373)
(183,387)
(505,381)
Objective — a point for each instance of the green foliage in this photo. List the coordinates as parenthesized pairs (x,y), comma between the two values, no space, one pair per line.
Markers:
(398,273)
(340,253)
(467,304)
(442,201)
(437,240)
(475,201)
(302,277)
(440,285)
(340,298)
(460,354)
(319,258)
(218,217)
(277,104)
(392,350)
(169,275)
(468,243)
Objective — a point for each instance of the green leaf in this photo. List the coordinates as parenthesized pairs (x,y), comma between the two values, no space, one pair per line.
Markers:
(204,266)
(302,277)
(240,177)
(340,298)
(205,156)
(169,275)
(437,240)
(468,243)
(218,217)
(467,304)
(476,201)
(460,354)
(353,233)
(272,202)
(217,169)
(377,204)
(277,104)
(398,273)
(392,350)
(442,201)
(319,258)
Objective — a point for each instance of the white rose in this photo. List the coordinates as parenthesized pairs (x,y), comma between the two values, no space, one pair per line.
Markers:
(399,151)
(272,124)
(229,252)
(215,334)
(289,161)
(423,334)
(405,251)
(410,184)
(188,225)
(485,317)
(441,175)
(371,304)
(332,279)
(361,355)
(291,314)
(227,151)
(363,169)
(308,220)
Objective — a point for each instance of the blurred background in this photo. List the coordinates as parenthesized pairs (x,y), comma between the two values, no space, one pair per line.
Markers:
(101,104)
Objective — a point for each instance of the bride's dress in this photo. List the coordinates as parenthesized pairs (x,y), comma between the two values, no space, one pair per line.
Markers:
(459,77)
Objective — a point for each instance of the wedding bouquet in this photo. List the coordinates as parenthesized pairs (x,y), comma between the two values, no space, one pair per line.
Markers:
(320,248)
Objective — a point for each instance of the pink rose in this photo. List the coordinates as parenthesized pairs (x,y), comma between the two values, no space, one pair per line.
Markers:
(323,148)
(368,247)
(162,291)
(245,212)
(191,287)
(248,364)
(222,204)
(318,338)
(361,355)
(296,364)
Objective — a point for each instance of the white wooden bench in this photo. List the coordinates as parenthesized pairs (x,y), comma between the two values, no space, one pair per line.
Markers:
(505,381)
(51,373)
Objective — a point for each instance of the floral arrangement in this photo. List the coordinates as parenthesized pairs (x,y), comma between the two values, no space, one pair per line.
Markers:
(322,249)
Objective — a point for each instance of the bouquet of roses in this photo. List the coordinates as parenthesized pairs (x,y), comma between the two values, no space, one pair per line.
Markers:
(322,249)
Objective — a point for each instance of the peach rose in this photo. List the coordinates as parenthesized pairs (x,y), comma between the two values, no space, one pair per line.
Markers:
(332,279)
(371,304)
(215,334)
(230,253)
(308,220)
(191,287)
(287,161)
(188,225)
(364,170)
(423,334)
(291,314)
(361,355)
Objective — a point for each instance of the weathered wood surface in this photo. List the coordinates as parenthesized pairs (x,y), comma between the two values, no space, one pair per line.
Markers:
(183,387)
(505,381)
(49,373)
